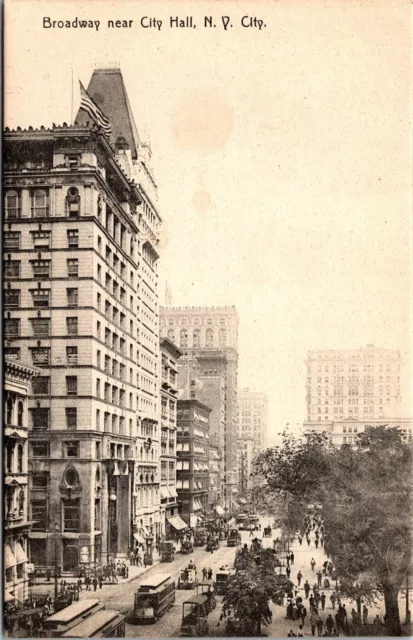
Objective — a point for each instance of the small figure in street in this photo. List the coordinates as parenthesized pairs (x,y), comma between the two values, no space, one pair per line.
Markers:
(251,532)
(322,541)
(87,583)
(319,578)
(377,623)
(323,600)
(48,574)
(291,558)
(319,626)
(333,599)
(329,623)
(312,602)
(299,576)
(313,622)
(100,581)
(312,564)
(308,541)
(316,543)
(79,584)
(95,583)
(209,574)
(288,572)
(303,614)
(365,614)
(300,539)
(306,588)
(204,573)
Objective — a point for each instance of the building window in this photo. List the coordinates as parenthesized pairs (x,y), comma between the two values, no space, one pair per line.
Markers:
(71,417)
(196,338)
(20,412)
(97,514)
(41,268)
(171,335)
(20,458)
(40,419)
(11,269)
(71,449)
(41,326)
(11,240)
(40,449)
(12,204)
(73,238)
(11,298)
(41,239)
(73,268)
(222,337)
(41,297)
(39,514)
(73,198)
(11,327)
(71,515)
(184,338)
(72,297)
(40,203)
(41,385)
(209,338)
(72,326)
(41,356)
(71,385)
(71,355)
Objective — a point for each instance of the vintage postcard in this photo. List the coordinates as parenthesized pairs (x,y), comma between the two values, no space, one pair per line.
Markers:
(207,318)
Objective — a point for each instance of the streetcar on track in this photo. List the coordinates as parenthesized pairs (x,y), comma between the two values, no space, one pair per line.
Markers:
(154,596)
(63,621)
(102,624)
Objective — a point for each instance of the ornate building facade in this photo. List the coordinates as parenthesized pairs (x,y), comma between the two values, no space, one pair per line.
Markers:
(17,377)
(81,236)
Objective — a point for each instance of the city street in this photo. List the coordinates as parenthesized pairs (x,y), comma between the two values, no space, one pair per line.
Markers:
(121,596)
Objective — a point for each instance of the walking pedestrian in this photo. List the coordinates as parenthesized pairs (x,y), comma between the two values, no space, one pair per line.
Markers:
(87,583)
(319,577)
(320,625)
(299,576)
(316,543)
(312,564)
(303,614)
(100,581)
(323,600)
(333,599)
(312,602)
(365,614)
(95,583)
(209,574)
(306,588)
(313,622)
(329,624)
(204,573)
(300,540)
(288,572)
(292,557)
(79,584)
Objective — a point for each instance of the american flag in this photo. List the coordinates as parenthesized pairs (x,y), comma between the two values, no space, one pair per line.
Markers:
(87,104)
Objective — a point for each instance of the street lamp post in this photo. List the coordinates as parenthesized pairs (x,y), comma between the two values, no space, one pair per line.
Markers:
(56,531)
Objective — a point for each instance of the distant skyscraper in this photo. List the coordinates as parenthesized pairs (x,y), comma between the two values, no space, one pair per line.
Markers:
(208,336)
(253,418)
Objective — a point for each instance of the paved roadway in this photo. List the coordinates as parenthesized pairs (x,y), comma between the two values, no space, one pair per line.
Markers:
(121,596)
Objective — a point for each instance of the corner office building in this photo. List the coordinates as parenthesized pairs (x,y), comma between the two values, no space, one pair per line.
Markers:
(80,270)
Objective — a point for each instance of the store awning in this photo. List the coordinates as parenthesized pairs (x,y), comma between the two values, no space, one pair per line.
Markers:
(164,493)
(9,559)
(219,510)
(171,492)
(146,532)
(242,500)
(235,504)
(139,538)
(7,596)
(197,505)
(177,523)
(21,555)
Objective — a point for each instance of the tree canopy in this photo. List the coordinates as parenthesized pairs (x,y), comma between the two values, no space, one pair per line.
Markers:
(365,493)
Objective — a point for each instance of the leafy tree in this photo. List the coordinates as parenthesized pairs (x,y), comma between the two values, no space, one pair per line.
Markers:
(249,591)
(367,508)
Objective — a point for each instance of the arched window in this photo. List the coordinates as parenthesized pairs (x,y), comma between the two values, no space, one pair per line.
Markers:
(196,338)
(171,335)
(9,457)
(222,337)
(184,338)
(209,338)
(12,204)
(21,502)
(40,203)
(9,411)
(73,202)
(20,414)
(20,458)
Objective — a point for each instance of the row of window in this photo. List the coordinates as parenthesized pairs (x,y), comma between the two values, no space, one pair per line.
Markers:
(172,321)
(196,337)
(41,269)
(353,368)
(41,240)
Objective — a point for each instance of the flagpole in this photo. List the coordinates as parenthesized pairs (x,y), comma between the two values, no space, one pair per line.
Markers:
(71,117)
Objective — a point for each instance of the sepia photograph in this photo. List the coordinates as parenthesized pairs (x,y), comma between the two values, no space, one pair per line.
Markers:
(207,318)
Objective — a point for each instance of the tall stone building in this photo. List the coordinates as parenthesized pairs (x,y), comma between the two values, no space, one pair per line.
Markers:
(253,419)
(363,383)
(208,337)
(81,253)
(193,481)
(17,525)
(169,396)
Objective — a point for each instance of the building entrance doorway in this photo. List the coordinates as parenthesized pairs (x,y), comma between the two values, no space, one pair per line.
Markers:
(70,555)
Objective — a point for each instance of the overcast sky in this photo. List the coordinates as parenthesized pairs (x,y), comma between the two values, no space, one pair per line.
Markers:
(282,155)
